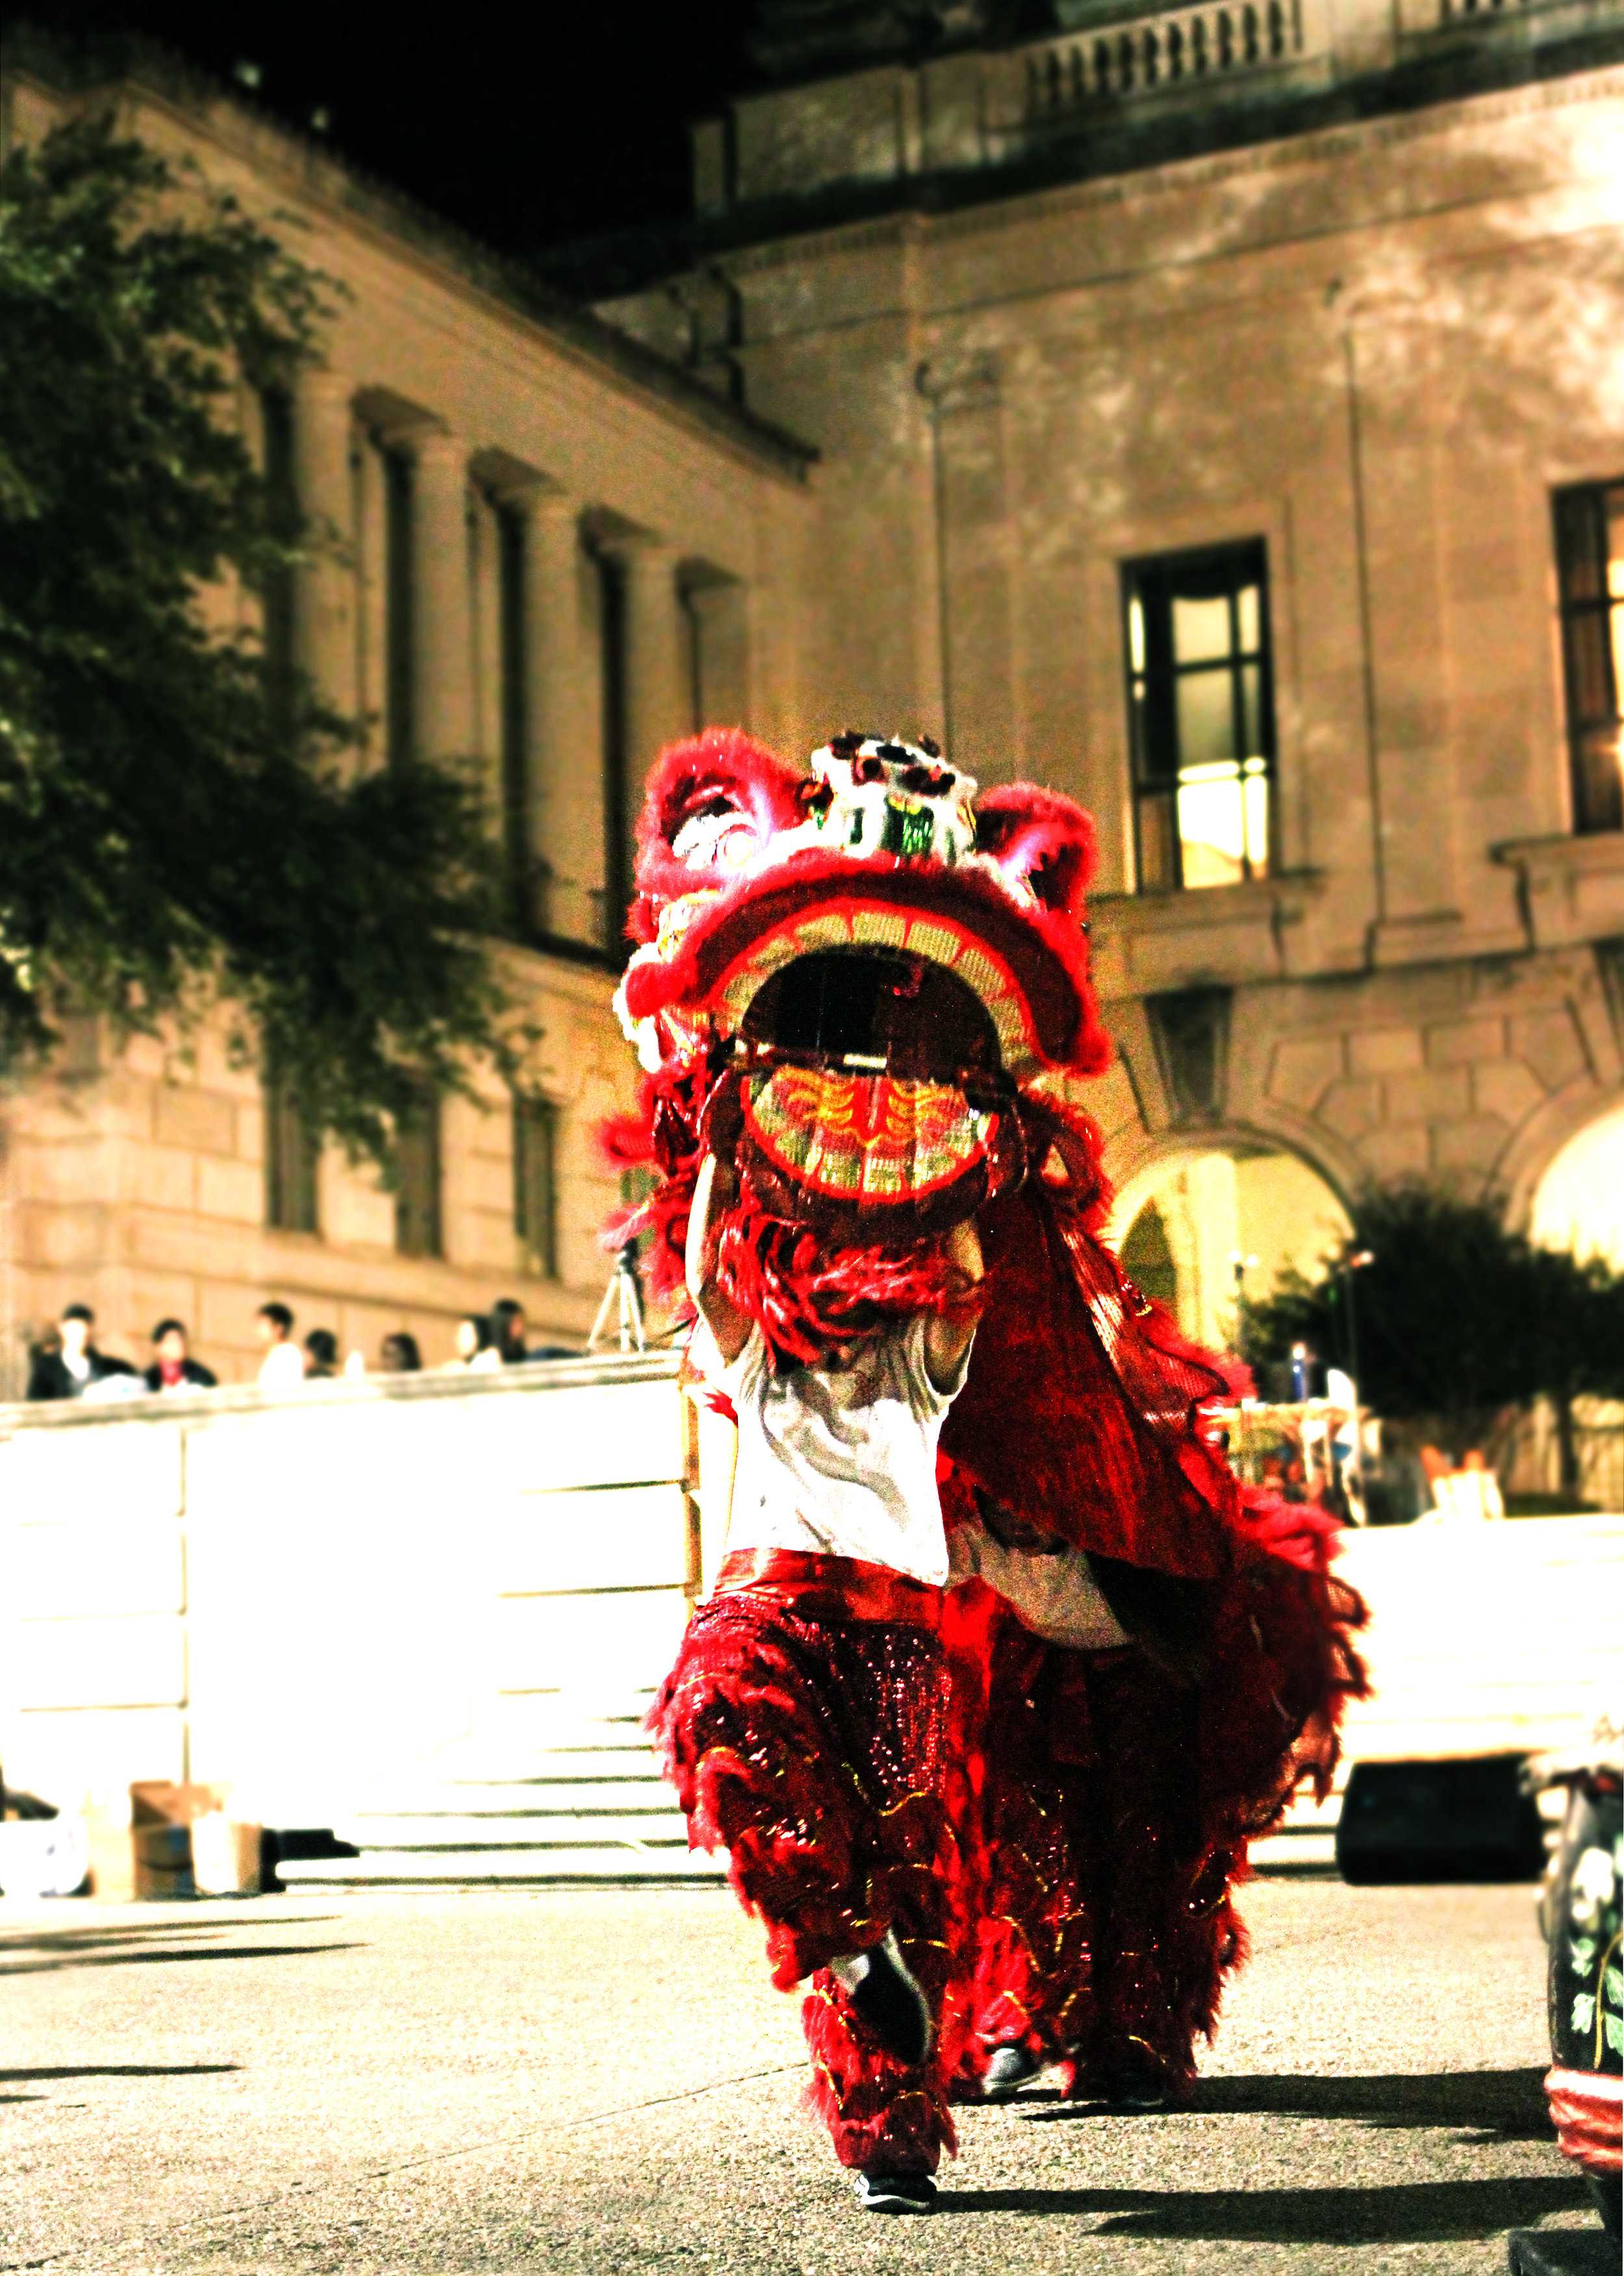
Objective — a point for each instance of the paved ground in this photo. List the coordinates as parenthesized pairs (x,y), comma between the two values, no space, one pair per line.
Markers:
(606,2081)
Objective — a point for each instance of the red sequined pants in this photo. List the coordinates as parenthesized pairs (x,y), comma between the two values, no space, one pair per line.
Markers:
(811,1745)
(1105,1925)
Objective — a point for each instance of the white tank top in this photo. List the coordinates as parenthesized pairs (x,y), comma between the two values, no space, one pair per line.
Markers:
(841,1461)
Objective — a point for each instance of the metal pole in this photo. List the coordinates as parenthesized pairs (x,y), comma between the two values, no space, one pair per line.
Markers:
(1351,1266)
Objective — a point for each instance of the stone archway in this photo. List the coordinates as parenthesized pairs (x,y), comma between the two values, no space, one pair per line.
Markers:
(1579,1200)
(1185,1221)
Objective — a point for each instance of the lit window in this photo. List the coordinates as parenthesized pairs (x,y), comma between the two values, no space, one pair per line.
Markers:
(1201,707)
(536,1205)
(1590,551)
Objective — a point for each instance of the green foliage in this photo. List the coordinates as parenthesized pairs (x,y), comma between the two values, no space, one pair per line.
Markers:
(176,826)
(1456,1320)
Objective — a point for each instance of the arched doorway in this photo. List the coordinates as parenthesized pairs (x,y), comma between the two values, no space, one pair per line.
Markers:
(1579,1202)
(1204,1224)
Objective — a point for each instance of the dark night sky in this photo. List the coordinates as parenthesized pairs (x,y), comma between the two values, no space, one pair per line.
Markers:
(528,127)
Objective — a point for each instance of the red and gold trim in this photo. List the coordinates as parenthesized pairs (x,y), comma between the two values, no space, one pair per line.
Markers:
(1585,2109)
(860,923)
(831,1586)
(864,1138)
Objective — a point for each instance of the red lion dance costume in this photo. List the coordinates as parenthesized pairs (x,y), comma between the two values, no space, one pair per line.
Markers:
(869,995)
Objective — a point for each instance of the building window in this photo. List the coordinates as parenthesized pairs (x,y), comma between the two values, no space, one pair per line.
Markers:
(293,1158)
(277,597)
(535,1196)
(417,1193)
(1201,705)
(617,833)
(1589,552)
(399,706)
(517,865)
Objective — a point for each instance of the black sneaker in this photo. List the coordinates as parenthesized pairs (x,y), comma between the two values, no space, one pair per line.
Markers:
(1136,2090)
(1008,2071)
(878,2191)
(881,1988)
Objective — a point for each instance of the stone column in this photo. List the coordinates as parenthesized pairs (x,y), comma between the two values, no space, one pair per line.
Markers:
(324,596)
(441,624)
(656,701)
(564,799)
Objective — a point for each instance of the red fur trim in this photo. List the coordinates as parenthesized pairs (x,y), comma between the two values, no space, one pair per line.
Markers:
(877,2112)
(807,1298)
(1048,952)
(720,762)
(1040,840)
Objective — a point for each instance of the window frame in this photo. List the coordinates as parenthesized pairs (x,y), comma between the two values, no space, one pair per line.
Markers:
(1151,694)
(292,1163)
(424,1120)
(1579,726)
(534,1113)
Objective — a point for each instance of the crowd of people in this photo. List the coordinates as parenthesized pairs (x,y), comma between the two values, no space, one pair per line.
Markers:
(67,1363)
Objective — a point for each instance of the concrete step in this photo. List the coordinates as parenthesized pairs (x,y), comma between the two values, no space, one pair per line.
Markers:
(541,1829)
(406,1868)
(472,1798)
(1291,1852)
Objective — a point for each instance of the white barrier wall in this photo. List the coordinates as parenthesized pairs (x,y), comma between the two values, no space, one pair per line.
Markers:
(309,1600)
(304,1598)
(1486,1636)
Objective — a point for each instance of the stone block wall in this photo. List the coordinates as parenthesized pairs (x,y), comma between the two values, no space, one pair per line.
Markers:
(136,1183)
(1473,1074)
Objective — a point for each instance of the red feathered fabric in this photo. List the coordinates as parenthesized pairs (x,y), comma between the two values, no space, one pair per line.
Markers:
(818,1754)
(1047,1424)
(1041,839)
(722,771)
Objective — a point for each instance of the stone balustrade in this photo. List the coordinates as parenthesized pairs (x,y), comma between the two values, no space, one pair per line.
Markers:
(1150,55)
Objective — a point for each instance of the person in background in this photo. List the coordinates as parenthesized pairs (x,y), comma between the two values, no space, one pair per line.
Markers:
(321,1355)
(283,1367)
(65,1365)
(398,1354)
(474,1345)
(1307,1373)
(510,1331)
(173,1369)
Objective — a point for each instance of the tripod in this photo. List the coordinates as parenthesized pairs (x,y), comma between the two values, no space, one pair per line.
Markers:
(624,1297)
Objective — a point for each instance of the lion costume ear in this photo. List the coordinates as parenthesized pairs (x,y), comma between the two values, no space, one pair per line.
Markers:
(1040,840)
(714,800)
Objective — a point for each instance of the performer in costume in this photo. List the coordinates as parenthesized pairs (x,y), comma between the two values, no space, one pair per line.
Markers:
(997,1824)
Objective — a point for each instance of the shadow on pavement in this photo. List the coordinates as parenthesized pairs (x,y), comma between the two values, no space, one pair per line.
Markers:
(140,1945)
(1490,2105)
(108,2070)
(1409,2212)
(114,1933)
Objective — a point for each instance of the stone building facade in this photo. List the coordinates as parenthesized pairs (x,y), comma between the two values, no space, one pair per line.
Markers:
(1219,414)
(1222,418)
(556,552)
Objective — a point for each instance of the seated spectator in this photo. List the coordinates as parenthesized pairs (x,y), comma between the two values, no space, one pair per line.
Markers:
(321,1355)
(509,1331)
(283,1367)
(66,1362)
(398,1354)
(474,1345)
(173,1370)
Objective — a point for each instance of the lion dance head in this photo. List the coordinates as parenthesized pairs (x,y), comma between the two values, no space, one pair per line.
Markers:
(867,986)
